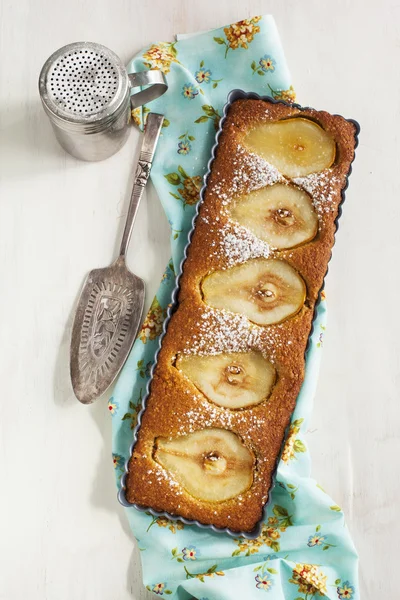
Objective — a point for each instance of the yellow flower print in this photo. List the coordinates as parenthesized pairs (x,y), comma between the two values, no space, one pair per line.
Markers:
(209,573)
(134,410)
(309,579)
(159,588)
(113,406)
(190,553)
(270,533)
(267,63)
(204,75)
(293,444)
(153,323)
(285,95)
(240,34)
(189,91)
(264,65)
(173,526)
(248,547)
(191,189)
(317,539)
(160,56)
(118,461)
(137,116)
(263,581)
(161,521)
(190,192)
(288,452)
(345,590)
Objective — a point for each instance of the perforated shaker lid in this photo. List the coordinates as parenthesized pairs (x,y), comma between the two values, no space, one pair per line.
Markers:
(83,82)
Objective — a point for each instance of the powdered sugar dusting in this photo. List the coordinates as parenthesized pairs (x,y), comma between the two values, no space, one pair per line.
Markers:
(238,244)
(223,331)
(158,474)
(210,415)
(252,172)
(260,172)
(320,186)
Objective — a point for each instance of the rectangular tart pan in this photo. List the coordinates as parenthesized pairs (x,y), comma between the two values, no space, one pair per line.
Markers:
(232,97)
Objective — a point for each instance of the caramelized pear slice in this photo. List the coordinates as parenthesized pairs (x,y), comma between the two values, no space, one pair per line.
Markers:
(296,147)
(232,380)
(213,464)
(266,291)
(282,215)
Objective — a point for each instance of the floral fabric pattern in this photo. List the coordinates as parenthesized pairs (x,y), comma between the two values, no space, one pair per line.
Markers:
(265,64)
(153,322)
(270,533)
(321,336)
(184,147)
(185,143)
(113,406)
(118,461)
(211,572)
(288,95)
(159,589)
(317,539)
(189,193)
(133,411)
(173,526)
(345,591)
(188,553)
(293,445)
(239,35)
(204,75)
(309,579)
(189,91)
(210,114)
(136,114)
(160,56)
(263,582)
(287,561)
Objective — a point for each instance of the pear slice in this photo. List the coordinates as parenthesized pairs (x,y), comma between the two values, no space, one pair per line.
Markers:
(296,146)
(266,291)
(211,464)
(232,380)
(282,215)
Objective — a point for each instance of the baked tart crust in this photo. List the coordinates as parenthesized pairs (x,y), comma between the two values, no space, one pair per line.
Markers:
(228,264)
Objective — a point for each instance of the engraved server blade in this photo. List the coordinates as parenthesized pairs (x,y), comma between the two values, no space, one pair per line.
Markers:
(111,303)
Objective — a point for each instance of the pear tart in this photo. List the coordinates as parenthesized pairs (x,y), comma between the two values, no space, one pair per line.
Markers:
(231,363)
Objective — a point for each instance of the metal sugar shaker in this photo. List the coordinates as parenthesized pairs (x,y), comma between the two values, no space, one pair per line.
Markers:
(86,92)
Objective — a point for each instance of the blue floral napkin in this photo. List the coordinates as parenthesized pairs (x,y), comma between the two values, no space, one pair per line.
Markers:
(304,550)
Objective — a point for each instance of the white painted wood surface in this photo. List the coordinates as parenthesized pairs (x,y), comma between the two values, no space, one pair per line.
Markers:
(63,535)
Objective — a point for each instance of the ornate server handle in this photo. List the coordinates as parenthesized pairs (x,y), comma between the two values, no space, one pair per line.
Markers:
(153,127)
(156,82)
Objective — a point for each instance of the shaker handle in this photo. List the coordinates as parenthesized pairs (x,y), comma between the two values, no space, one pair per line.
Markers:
(156,81)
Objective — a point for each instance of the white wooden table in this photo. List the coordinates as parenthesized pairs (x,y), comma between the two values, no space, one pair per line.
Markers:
(63,535)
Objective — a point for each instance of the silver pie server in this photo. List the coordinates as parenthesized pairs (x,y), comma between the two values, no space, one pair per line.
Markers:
(110,306)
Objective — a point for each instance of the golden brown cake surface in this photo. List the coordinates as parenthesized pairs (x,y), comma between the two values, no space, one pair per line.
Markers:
(176,406)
